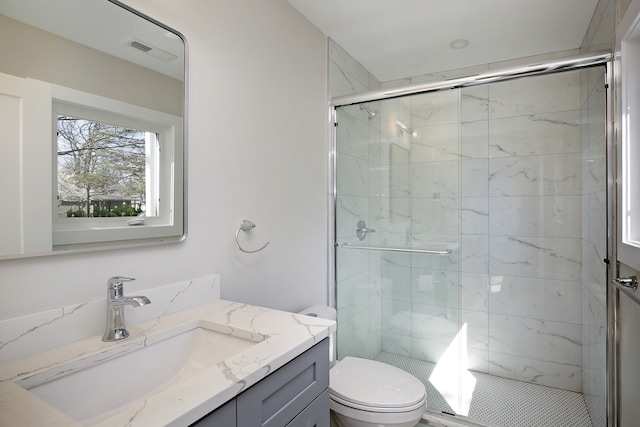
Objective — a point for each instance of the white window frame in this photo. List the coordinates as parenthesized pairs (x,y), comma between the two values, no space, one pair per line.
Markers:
(71,232)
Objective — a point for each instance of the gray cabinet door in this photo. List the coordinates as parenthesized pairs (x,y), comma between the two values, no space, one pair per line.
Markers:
(314,415)
(285,393)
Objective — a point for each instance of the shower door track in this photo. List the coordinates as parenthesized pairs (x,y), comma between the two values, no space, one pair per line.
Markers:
(567,64)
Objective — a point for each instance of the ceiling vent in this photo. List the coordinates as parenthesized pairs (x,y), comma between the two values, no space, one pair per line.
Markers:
(148,49)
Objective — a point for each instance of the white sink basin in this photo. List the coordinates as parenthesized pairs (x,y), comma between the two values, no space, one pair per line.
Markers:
(91,394)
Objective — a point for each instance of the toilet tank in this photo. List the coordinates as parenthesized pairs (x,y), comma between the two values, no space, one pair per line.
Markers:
(324,312)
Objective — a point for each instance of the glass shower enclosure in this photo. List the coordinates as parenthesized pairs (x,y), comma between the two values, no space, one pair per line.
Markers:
(470,233)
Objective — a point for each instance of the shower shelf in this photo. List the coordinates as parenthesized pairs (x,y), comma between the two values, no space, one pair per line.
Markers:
(415,251)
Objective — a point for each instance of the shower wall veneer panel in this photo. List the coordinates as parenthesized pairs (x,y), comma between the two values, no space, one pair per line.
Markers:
(504,187)
(535,247)
(358,276)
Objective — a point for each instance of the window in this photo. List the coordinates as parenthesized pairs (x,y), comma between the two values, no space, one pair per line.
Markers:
(102,169)
(117,172)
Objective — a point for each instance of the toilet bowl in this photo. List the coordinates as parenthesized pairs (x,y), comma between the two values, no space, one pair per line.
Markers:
(367,393)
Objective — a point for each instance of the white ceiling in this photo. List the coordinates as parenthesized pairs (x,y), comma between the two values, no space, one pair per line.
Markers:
(394,39)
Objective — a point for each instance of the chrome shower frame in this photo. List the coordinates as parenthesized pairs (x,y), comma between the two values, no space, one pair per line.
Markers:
(553,66)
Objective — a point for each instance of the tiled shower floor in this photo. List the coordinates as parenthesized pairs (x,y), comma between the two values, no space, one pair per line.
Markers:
(502,401)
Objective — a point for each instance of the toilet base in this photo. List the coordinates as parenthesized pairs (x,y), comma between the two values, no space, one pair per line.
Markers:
(337,420)
(344,416)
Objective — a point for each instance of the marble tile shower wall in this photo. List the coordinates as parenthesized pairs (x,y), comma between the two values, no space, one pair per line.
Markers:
(358,272)
(420,306)
(514,277)
(594,251)
(600,36)
(381,298)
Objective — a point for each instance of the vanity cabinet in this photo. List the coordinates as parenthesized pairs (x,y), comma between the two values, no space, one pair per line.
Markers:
(295,395)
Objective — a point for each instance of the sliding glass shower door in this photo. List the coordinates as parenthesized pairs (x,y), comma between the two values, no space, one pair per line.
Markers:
(470,234)
(399,278)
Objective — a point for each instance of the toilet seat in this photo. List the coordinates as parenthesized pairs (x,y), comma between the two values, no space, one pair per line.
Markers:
(372,386)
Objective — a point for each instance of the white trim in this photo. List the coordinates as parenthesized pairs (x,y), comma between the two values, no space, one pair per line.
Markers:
(629,139)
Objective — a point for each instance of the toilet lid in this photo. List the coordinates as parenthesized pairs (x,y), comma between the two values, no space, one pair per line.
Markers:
(374,384)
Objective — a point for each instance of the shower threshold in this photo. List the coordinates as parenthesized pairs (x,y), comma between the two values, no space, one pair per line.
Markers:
(501,401)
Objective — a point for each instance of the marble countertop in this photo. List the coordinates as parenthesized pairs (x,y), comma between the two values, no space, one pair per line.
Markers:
(282,336)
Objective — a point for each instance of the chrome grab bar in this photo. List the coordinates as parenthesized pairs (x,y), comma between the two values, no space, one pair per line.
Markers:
(628,286)
(627,282)
(415,251)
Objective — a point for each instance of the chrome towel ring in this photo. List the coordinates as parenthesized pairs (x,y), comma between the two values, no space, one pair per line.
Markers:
(247,225)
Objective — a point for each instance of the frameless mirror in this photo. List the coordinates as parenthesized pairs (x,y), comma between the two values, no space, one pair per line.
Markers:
(92,101)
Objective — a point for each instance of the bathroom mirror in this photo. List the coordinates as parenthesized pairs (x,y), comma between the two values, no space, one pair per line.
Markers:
(92,120)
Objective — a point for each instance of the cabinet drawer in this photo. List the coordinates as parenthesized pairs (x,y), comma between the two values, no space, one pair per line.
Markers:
(276,400)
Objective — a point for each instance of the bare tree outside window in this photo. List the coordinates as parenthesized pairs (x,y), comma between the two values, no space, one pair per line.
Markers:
(101,169)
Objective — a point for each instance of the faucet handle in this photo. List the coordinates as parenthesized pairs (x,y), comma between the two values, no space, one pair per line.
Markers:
(115,281)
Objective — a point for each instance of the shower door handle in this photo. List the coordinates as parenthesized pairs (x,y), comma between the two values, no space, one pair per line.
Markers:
(627,282)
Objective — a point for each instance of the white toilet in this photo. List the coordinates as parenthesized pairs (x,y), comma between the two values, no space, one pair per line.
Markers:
(367,393)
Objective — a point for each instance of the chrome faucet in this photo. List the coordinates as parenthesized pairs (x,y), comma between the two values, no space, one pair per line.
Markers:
(116,327)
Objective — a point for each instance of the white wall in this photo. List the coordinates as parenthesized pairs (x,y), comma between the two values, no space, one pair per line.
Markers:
(257,138)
